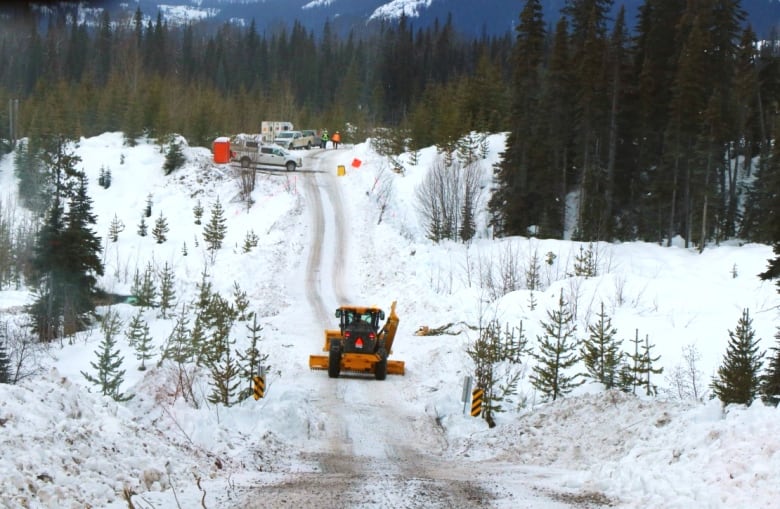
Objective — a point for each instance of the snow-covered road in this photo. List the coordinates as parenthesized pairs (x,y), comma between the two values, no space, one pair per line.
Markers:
(366,448)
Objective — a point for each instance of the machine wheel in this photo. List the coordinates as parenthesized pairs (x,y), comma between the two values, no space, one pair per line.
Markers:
(245,162)
(380,368)
(290,166)
(334,360)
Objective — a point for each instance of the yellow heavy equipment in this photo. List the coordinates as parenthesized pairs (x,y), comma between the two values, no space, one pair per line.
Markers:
(358,345)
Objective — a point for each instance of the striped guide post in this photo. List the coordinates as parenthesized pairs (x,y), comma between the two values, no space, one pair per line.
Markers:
(259,386)
(476,402)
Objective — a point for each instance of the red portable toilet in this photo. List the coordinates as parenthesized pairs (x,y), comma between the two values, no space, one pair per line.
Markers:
(221,149)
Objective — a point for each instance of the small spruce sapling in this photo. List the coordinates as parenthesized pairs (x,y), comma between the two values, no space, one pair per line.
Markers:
(770,383)
(115,228)
(558,353)
(252,358)
(174,158)
(214,232)
(142,227)
(601,351)
(139,338)
(167,289)
(197,211)
(160,231)
(143,287)
(250,241)
(108,376)
(738,377)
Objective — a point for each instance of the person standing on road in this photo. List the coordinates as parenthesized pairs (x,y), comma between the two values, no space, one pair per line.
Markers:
(336,139)
(324,139)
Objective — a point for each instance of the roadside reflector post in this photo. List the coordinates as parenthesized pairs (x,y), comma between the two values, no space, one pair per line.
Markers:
(258,383)
(466,391)
(341,171)
(476,402)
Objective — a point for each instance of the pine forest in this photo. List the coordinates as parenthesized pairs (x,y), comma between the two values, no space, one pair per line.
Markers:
(657,128)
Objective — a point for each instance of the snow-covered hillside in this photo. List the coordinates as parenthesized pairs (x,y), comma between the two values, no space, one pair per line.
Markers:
(64,446)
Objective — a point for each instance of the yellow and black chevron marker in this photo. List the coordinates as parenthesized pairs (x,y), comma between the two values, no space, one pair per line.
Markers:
(259,386)
(476,402)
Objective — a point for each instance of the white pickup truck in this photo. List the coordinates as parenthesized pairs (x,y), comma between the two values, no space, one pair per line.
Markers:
(292,140)
(250,151)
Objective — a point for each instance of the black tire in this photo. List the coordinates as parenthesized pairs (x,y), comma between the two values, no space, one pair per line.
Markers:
(308,146)
(380,368)
(291,166)
(245,162)
(334,360)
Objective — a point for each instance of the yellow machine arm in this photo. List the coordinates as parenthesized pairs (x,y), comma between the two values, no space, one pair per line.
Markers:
(387,334)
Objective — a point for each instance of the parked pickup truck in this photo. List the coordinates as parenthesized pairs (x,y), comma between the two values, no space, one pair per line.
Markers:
(249,151)
(292,140)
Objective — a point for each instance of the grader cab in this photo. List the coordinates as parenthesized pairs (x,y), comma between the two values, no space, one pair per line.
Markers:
(359,345)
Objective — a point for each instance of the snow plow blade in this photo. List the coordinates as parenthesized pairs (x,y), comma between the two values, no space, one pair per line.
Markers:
(357,363)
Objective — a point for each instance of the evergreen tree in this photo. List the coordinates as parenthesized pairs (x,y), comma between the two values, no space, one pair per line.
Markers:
(47,308)
(66,259)
(174,158)
(770,384)
(115,228)
(497,355)
(250,241)
(738,376)
(142,227)
(205,292)
(225,374)
(82,264)
(139,339)
(640,366)
(143,287)
(148,209)
(773,268)
(160,230)
(558,129)
(214,232)
(218,352)
(178,350)
(197,210)
(178,345)
(251,360)
(601,351)
(467,226)
(557,353)
(108,376)
(241,303)
(167,289)
(513,205)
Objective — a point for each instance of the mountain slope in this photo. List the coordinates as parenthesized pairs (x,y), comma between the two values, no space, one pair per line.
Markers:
(472,18)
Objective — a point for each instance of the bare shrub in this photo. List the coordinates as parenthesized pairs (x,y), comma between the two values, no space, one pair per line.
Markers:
(685,379)
(382,191)
(22,350)
(504,275)
(246,185)
(449,193)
